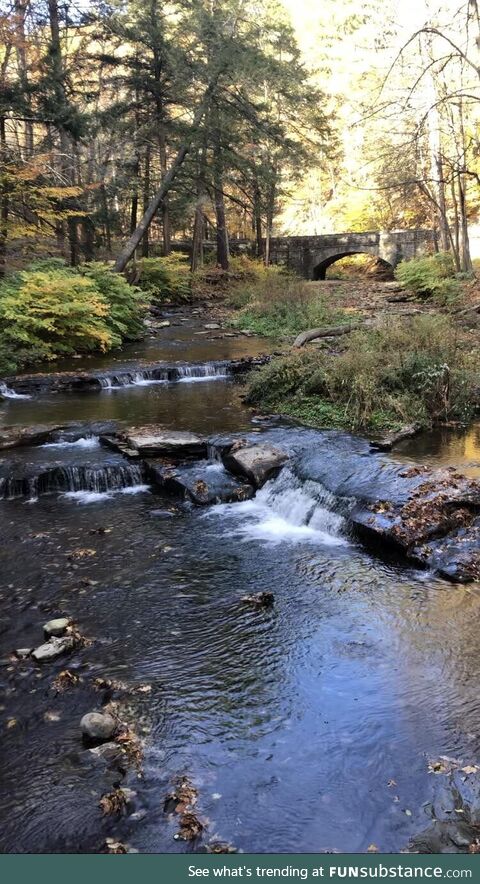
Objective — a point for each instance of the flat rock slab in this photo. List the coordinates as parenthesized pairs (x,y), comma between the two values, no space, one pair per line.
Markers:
(257,463)
(39,434)
(437,527)
(203,483)
(153,440)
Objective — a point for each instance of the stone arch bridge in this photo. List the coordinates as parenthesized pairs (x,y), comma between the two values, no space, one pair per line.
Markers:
(311,256)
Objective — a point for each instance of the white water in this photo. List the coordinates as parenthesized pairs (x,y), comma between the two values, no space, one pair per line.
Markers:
(85,442)
(185,374)
(206,377)
(10,394)
(286,510)
(137,379)
(86,497)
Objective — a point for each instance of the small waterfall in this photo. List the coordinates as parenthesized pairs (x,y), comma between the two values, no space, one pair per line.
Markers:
(130,379)
(210,371)
(7,393)
(164,374)
(72,479)
(289,510)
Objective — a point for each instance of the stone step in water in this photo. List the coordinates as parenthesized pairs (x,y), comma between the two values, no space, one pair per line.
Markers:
(154,373)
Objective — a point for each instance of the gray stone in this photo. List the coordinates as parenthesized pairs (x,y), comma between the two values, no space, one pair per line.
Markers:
(203,483)
(212,325)
(23,653)
(56,627)
(154,440)
(111,754)
(98,726)
(53,649)
(257,462)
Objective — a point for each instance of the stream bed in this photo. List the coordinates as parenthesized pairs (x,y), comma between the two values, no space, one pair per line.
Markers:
(305,727)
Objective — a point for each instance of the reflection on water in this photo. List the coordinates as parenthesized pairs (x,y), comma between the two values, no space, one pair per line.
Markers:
(294,722)
(445,447)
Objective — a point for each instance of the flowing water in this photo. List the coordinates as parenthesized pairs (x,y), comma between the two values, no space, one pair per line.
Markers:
(305,727)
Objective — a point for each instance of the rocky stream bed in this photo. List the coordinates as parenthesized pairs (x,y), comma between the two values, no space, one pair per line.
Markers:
(222,631)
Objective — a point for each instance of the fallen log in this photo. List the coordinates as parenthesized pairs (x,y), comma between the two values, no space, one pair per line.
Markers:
(333,332)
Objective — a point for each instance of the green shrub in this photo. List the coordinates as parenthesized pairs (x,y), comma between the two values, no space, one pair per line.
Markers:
(432,276)
(126,307)
(165,279)
(51,310)
(413,370)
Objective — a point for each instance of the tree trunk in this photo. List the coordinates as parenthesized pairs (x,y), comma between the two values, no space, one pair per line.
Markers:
(166,229)
(4,202)
(465,258)
(146,198)
(21,7)
(128,250)
(257,221)
(223,255)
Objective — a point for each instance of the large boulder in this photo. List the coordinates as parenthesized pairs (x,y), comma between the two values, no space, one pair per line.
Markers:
(203,483)
(257,463)
(151,441)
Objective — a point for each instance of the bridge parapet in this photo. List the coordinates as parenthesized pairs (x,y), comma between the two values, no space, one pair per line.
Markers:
(310,256)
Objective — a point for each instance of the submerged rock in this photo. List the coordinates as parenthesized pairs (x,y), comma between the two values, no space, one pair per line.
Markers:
(257,463)
(98,726)
(203,483)
(110,754)
(259,599)
(53,649)
(56,627)
(23,653)
(454,812)
(154,440)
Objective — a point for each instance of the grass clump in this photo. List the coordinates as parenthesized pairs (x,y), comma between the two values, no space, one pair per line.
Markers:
(51,310)
(431,276)
(277,304)
(413,370)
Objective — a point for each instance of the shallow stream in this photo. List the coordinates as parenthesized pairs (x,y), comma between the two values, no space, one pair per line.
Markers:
(307,727)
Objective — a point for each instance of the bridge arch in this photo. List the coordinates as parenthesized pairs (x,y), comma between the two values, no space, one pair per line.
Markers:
(320,269)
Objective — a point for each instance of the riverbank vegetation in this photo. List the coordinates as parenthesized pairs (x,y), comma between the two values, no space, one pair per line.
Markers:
(416,369)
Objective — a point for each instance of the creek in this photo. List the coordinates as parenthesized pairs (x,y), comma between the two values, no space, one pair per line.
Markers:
(305,727)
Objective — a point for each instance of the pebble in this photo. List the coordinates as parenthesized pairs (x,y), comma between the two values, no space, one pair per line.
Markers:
(56,627)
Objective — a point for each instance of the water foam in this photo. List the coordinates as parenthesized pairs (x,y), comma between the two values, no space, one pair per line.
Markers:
(87,497)
(287,510)
(85,442)
(7,393)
